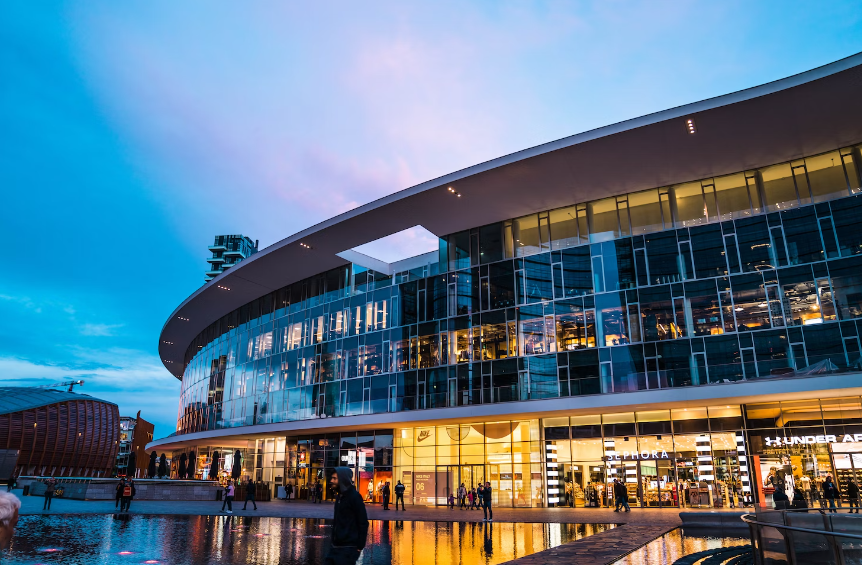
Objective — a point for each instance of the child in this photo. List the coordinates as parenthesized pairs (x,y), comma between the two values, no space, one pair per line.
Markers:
(451,501)
(470,499)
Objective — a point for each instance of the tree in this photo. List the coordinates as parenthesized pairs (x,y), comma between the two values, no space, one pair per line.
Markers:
(132,465)
(151,468)
(190,470)
(214,467)
(163,466)
(181,474)
(237,465)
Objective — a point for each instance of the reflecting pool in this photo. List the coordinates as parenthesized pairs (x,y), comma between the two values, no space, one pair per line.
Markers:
(678,543)
(176,540)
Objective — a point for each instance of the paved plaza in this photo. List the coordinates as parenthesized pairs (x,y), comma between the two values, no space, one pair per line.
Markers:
(634,529)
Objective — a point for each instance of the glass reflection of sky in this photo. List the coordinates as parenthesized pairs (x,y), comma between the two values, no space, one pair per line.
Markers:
(170,540)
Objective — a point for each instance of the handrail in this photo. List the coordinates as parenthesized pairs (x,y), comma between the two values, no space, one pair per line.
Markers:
(777,526)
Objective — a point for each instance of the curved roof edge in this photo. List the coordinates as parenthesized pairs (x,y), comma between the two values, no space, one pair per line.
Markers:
(18,399)
(736,131)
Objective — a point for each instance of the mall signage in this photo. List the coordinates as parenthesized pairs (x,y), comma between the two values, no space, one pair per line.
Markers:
(806,440)
(645,455)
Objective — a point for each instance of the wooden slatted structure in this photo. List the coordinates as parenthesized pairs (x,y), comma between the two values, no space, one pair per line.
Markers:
(76,436)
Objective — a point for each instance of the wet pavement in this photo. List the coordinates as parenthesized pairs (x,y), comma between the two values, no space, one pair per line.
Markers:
(678,543)
(178,540)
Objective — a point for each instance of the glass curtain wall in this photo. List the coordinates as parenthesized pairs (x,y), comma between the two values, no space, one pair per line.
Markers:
(750,275)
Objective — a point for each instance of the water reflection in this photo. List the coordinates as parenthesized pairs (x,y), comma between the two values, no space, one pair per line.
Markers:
(677,544)
(175,540)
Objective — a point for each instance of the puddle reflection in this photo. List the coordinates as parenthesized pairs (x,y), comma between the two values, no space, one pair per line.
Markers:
(677,544)
(176,540)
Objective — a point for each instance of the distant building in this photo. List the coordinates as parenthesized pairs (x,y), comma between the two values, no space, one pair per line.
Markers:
(135,434)
(228,250)
(59,433)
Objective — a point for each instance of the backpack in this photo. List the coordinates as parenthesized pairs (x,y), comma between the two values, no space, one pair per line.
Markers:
(127,490)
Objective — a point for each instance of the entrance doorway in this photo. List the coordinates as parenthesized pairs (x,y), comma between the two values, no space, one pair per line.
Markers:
(649,484)
(450,477)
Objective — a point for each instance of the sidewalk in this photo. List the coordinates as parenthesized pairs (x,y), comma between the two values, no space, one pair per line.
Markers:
(301,509)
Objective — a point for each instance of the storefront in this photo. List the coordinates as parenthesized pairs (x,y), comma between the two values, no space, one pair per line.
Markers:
(685,458)
(434,461)
(312,459)
(798,444)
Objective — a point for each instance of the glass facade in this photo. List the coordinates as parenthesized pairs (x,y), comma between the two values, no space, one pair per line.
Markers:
(744,276)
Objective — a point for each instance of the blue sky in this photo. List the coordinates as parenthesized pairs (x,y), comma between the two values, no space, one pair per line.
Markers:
(131,133)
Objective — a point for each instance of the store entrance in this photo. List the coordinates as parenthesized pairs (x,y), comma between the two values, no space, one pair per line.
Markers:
(649,484)
(450,477)
(658,484)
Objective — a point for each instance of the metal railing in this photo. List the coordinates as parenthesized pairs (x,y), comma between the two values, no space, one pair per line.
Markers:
(805,536)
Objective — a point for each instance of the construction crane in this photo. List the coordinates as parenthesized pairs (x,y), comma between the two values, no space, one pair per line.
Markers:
(70,383)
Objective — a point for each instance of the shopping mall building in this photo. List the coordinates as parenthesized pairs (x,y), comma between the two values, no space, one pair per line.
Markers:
(674,301)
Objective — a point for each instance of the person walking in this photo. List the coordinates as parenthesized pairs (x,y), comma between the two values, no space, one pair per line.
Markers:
(386,493)
(319,493)
(830,492)
(350,521)
(621,496)
(486,503)
(399,495)
(288,491)
(470,499)
(853,496)
(228,497)
(312,492)
(50,485)
(119,496)
(462,497)
(249,494)
(128,494)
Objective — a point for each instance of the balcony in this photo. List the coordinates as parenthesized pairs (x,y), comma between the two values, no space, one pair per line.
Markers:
(235,253)
(220,247)
(215,260)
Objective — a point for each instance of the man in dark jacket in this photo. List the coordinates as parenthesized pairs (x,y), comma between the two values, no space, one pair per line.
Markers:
(830,492)
(399,495)
(350,528)
(249,494)
(120,491)
(486,503)
(386,494)
(621,496)
(853,496)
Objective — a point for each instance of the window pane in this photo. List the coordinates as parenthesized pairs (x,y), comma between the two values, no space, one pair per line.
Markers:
(826,176)
(749,300)
(708,248)
(490,243)
(690,207)
(657,314)
(537,279)
(577,272)
(703,308)
(604,224)
(802,236)
(778,187)
(564,228)
(645,212)
(755,249)
(663,258)
(612,320)
(772,352)
(732,196)
(525,231)
(847,286)
(723,358)
(801,306)
(848,228)
(501,280)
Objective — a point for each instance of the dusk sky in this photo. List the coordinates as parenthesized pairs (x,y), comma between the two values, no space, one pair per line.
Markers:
(131,133)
